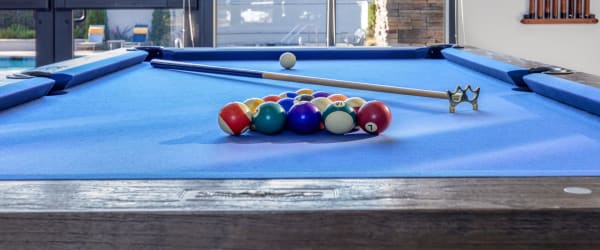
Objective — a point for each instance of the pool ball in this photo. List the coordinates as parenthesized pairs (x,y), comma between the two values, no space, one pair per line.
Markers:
(288,94)
(253,103)
(303,98)
(374,117)
(320,94)
(287,60)
(235,118)
(304,118)
(321,103)
(355,102)
(304,92)
(269,118)
(271,98)
(337,97)
(286,103)
(339,118)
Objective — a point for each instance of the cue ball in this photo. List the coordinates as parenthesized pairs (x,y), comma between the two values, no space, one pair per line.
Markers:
(235,118)
(287,60)
(269,118)
(374,117)
(339,118)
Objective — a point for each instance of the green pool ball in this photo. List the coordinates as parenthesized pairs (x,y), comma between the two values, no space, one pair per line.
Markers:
(269,118)
(339,118)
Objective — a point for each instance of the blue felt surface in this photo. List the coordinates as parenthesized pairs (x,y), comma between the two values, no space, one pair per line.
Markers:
(15,92)
(143,122)
(578,95)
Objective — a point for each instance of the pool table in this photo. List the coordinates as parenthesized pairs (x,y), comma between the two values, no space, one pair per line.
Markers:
(107,151)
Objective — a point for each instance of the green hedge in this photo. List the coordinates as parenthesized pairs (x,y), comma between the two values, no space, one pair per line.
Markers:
(17,31)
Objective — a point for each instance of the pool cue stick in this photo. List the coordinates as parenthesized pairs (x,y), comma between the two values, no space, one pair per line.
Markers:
(571,8)
(554,9)
(579,9)
(587,9)
(459,95)
(531,8)
(540,9)
(167,64)
(547,9)
(563,8)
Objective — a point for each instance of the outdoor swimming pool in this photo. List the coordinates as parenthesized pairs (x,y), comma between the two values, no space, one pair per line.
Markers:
(10,65)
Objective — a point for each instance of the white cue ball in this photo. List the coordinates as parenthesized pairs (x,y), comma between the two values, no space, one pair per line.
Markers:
(287,60)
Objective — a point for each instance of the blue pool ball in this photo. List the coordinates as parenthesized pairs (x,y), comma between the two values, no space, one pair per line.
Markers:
(286,103)
(269,118)
(290,94)
(304,118)
(339,118)
(320,94)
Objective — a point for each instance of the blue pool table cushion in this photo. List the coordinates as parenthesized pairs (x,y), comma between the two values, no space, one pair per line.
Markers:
(301,53)
(79,70)
(15,92)
(502,71)
(578,95)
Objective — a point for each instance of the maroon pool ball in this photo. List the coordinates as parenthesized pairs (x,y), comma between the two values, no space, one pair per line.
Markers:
(374,117)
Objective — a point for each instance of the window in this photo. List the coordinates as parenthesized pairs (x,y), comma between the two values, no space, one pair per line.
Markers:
(17,41)
(271,23)
(107,29)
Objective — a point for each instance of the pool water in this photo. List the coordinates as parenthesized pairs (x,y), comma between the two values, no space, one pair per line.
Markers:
(10,65)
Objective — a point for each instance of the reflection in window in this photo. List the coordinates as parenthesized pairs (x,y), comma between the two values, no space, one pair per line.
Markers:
(352,22)
(17,41)
(271,23)
(112,29)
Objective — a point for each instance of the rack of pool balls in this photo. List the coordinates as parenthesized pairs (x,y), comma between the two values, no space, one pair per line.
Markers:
(305,112)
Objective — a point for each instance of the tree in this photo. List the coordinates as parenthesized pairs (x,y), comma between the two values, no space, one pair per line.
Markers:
(161,32)
(93,17)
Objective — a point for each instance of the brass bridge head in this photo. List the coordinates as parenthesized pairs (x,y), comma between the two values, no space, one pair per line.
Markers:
(461,95)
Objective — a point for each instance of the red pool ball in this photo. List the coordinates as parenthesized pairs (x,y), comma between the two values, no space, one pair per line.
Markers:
(271,98)
(235,118)
(374,117)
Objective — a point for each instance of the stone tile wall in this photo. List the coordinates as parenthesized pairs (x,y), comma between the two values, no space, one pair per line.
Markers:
(410,22)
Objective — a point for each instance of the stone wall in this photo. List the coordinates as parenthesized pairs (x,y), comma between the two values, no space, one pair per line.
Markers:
(410,22)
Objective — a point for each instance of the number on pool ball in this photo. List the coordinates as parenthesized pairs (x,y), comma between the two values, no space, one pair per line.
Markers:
(235,118)
(269,118)
(339,118)
(374,117)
